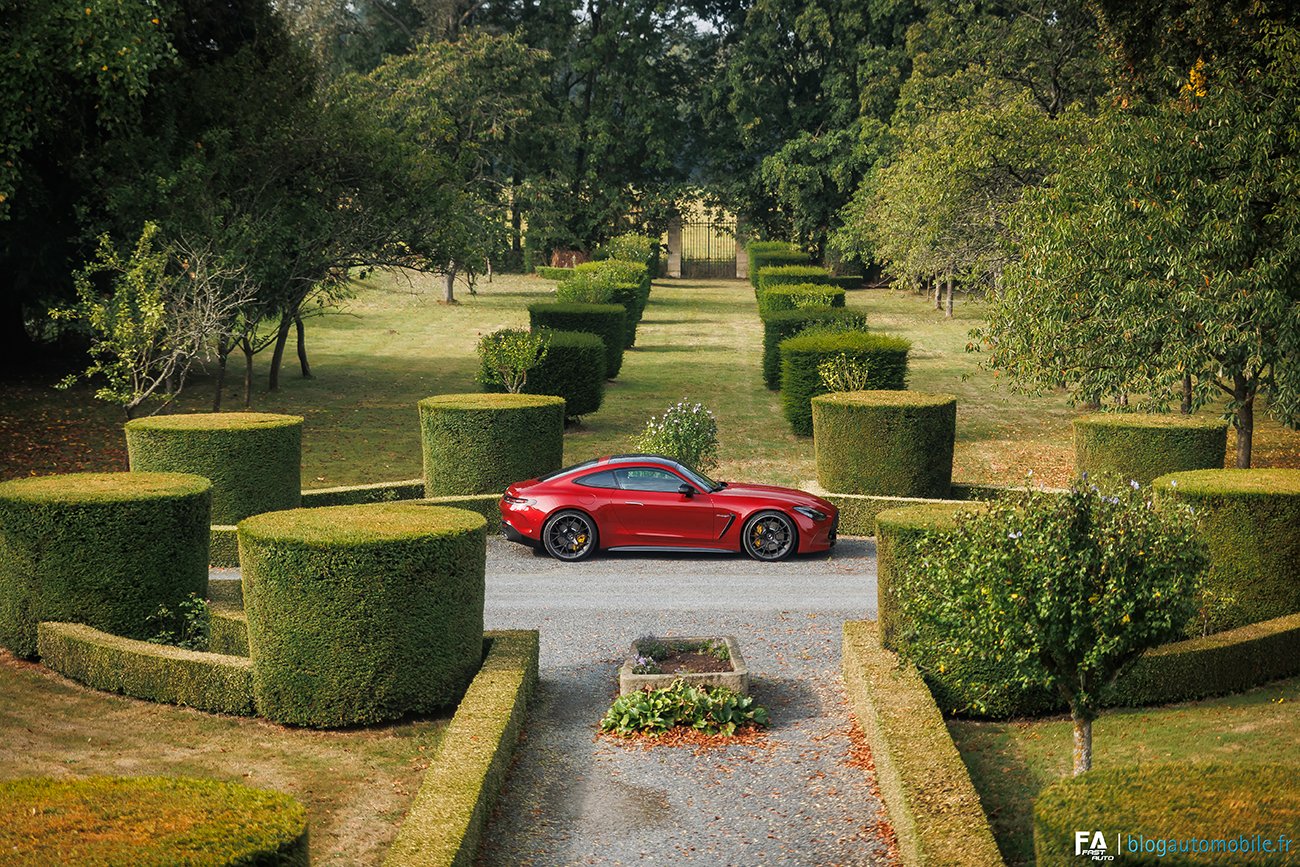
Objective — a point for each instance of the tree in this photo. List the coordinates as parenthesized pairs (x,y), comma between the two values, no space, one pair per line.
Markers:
(1062,591)
(506,356)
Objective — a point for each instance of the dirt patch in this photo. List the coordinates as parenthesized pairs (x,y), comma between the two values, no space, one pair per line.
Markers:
(692,662)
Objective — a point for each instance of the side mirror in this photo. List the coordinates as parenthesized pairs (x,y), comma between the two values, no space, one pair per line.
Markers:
(686,490)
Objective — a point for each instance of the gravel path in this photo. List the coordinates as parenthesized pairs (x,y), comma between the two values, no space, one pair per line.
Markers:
(573,799)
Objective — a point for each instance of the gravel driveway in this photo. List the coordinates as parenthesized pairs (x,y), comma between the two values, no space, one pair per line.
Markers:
(573,799)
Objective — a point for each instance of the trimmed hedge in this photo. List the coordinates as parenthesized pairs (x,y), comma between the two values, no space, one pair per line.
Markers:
(355,495)
(482,443)
(487,505)
(1144,446)
(606,321)
(773,275)
(779,325)
(228,631)
(574,369)
(1250,521)
(926,787)
(106,549)
(359,614)
(214,682)
(848,281)
(858,513)
(223,546)
(763,254)
(1157,805)
(447,819)
(885,357)
(252,458)
(149,822)
(610,281)
(896,443)
(550,273)
(795,296)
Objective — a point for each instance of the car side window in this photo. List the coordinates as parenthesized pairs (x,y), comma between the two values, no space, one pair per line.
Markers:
(644,479)
(599,480)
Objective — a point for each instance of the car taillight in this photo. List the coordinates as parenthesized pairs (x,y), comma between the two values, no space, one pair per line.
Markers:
(518,500)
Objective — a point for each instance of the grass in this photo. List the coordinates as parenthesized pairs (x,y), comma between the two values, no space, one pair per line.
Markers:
(393,344)
(1011,762)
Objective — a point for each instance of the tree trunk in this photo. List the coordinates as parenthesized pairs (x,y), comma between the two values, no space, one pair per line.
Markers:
(1082,743)
(948,310)
(302,348)
(938,293)
(1245,424)
(277,357)
(247,347)
(223,354)
(449,286)
(1186,407)
(1092,404)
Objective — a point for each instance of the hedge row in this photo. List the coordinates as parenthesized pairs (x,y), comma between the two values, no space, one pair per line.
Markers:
(481,443)
(446,821)
(772,276)
(574,369)
(896,443)
(779,325)
(763,254)
(797,296)
(1144,446)
(360,614)
(214,682)
(550,273)
(149,822)
(228,629)
(611,281)
(223,546)
(355,495)
(1230,807)
(848,281)
(606,321)
(631,247)
(926,787)
(106,549)
(252,458)
(487,505)
(884,356)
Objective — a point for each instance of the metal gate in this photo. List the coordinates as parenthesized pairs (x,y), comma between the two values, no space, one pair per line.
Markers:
(709,249)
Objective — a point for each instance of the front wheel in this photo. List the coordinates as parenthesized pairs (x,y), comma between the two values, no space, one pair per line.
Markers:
(769,536)
(569,536)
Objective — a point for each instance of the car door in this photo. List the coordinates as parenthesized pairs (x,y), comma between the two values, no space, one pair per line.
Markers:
(653,511)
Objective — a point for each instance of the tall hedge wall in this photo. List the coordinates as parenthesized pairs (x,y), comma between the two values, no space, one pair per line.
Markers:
(149,822)
(359,614)
(779,325)
(606,321)
(1250,521)
(574,369)
(482,443)
(892,443)
(1153,804)
(793,296)
(763,254)
(1142,446)
(885,357)
(105,549)
(252,458)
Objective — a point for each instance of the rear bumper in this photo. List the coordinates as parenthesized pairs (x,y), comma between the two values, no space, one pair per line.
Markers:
(514,535)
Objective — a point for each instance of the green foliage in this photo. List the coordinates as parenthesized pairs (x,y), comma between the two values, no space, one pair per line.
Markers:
(228,633)
(797,296)
(884,356)
(189,627)
(631,247)
(574,369)
(482,443)
(687,433)
(763,254)
(606,321)
(252,459)
(610,281)
(791,275)
(201,822)
(1142,446)
(355,495)
(894,443)
(105,549)
(711,710)
(841,373)
(653,649)
(780,324)
(1171,803)
(550,273)
(359,614)
(507,355)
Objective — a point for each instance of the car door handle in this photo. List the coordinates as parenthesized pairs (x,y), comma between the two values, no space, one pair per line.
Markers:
(630,503)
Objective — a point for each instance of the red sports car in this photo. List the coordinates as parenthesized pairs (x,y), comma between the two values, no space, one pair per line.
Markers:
(652,503)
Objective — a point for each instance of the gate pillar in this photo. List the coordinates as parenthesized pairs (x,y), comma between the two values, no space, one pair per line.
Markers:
(675,247)
(742,258)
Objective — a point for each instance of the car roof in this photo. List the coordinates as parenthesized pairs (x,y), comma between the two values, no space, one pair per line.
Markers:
(609,460)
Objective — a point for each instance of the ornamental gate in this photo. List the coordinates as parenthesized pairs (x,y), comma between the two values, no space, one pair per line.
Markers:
(703,249)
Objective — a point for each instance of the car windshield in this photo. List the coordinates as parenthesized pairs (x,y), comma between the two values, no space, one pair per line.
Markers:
(698,479)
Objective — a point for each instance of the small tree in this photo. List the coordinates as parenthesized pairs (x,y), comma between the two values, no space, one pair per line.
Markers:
(509,354)
(843,373)
(687,433)
(1058,590)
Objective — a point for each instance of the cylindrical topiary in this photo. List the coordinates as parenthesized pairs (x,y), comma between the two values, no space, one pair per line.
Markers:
(252,458)
(1183,813)
(1250,521)
(104,549)
(884,359)
(1141,446)
(574,369)
(780,324)
(606,321)
(359,614)
(888,443)
(149,822)
(482,443)
(793,296)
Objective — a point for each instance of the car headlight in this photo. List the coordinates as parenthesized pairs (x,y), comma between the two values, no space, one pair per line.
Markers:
(810,512)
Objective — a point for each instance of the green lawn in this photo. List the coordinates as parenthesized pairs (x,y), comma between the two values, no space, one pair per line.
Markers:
(1011,762)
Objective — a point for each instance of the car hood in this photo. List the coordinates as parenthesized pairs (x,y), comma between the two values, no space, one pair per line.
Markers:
(788,496)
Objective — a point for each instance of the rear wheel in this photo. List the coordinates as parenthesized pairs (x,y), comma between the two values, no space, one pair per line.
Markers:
(569,535)
(769,536)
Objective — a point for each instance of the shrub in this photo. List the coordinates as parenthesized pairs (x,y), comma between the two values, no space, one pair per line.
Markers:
(894,443)
(841,373)
(574,369)
(482,443)
(106,549)
(228,634)
(711,710)
(848,281)
(252,458)
(1159,806)
(781,324)
(798,296)
(612,281)
(149,822)
(771,253)
(549,273)
(631,247)
(771,276)
(355,495)
(1250,523)
(884,356)
(606,321)
(506,357)
(1144,446)
(359,614)
(188,626)
(687,433)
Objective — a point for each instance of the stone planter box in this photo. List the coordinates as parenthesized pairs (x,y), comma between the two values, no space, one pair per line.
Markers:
(736,680)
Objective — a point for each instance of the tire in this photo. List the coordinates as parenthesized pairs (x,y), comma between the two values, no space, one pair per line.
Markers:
(769,536)
(569,536)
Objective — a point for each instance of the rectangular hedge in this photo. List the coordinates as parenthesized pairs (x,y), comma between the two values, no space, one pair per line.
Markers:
(213,682)
(446,821)
(926,788)
(228,631)
(352,495)
(858,511)
(548,273)
(223,547)
(487,505)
